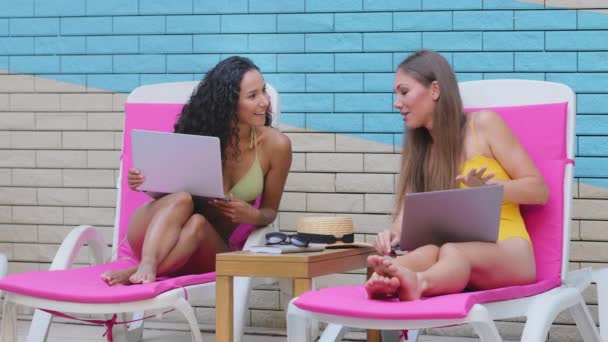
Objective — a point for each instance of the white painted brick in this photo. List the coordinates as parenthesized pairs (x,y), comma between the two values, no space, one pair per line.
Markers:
(594,230)
(18,233)
(118,102)
(576,188)
(379,203)
(36,177)
(588,251)
(61,159)
(336,203)
(92,216)
(61,121)
(577,4)
(88,178)
(312,142)
(575,230)
(340,279)
(45,85)
(42,252)
(7,249)
(108,121)
(116,177)
(298,162)
(293,201)
(88,140)
(38,214)
(262,299)
(16,84)
(17,120)
(590,209)
(118,137)
(288,220)
(102,197)
(564,333)
(20,267)
(5,177)
(384,162)
(268,318)
(588,191)
(17,196)
(63,196)
(17,158)
(318,182)
(205,315)
(4,102)
(86,102)
(6,214)
(103,159)
(34,102)
(362,182)
(56,234)
(371,223)
(350,144)
(5,139)
(36,140)
(336,162)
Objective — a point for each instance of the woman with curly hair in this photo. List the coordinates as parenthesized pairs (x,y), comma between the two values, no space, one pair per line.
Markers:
(177,234)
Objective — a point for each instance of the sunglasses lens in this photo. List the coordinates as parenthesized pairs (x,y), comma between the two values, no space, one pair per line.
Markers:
(299,241)
(275,238)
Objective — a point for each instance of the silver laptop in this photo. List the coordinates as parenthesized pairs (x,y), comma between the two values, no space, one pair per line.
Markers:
(172,162)
(457,215)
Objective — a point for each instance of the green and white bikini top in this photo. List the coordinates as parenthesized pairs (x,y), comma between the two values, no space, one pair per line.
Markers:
(251,185)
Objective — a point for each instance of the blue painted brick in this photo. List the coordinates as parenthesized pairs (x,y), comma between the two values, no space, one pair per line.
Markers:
(592,61)
(34,26)
(164,78)
(363,102)
(592,104)
(130,64)
(21,8)
(334,42)
(382,123)
(593,146)
(220,43)
(398,41)
(364,62)
(165,44)
(422,21)
(545,20)
(191,63)
(299,102)
(3,62)
(60,45)
(502,4)
(452,41)
(193,24)
(483,20)
(514,75)
(398,140)
(343,122)
(86,25)
(165,7)
(318,22)
(363,22)
(336,82)
(249,23)
(285,82)
(434,5)
(545,61)
(112,7)
(391,5)
(220,6)
(3,27)
(322,62)
(276,43)
(34,64)
(598,182)
(16,46)
(382,138)
(576,40)
(86,64)
(591,167)
(266,62)
(293,119)
(139,25)
(469,76)
(591,125)
(514,41)
(582,82)
(378,82)
(112,44)
(59,8)
(123,83)
(483,61)
(589,20)
(334,5)
(276,6)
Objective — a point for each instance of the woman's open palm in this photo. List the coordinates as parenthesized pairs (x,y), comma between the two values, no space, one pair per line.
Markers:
(476,177)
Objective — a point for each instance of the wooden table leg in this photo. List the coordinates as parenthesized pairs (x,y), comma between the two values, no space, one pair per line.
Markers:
(301,285)
(372,335)
(224,330)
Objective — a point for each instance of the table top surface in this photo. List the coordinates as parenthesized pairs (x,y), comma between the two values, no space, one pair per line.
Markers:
(327,254)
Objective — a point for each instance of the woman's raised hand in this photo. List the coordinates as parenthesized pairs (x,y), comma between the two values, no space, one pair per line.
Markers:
(476,178)
(135,178)
(385,241)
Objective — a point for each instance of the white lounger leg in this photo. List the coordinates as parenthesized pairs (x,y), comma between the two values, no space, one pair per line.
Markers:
(184,307)
(333,332)
(584,321)
(9,322)
(298,324)
(483,324)
(39,329)
(242,290)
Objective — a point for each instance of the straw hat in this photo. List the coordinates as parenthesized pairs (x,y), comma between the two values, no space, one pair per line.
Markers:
(336,232)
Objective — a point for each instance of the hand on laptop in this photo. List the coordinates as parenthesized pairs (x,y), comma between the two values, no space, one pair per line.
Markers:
(135,178)
(476,178)
(385,241)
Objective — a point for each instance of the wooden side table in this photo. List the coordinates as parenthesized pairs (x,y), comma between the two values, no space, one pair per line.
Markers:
(300,267)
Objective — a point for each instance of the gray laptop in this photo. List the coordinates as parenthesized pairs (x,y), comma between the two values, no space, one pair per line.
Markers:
(457,215)
(172,162)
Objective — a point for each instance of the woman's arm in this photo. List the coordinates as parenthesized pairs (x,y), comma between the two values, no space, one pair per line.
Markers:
(527,185)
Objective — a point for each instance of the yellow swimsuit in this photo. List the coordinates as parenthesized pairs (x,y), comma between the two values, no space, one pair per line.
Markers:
(511,222)
(250,186)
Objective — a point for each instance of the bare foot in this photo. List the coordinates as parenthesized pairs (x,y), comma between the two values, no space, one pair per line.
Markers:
(409,283)
(146,273)
(118,277)
(380,287)
(379,263)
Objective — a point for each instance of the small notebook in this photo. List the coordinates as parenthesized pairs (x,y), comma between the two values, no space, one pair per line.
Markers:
(284,249)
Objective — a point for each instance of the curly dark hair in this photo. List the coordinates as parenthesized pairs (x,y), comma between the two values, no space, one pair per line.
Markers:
(212,108)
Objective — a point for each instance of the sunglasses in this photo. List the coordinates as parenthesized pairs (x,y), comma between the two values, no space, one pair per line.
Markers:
(278,238)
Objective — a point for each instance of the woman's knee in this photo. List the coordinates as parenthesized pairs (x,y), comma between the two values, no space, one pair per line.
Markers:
(181,200)
(197,227)
(450,249)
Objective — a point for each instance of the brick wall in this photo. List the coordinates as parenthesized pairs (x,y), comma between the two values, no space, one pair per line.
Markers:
(66,66)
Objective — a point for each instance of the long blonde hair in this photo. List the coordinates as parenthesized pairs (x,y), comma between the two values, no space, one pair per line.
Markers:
(421,171)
